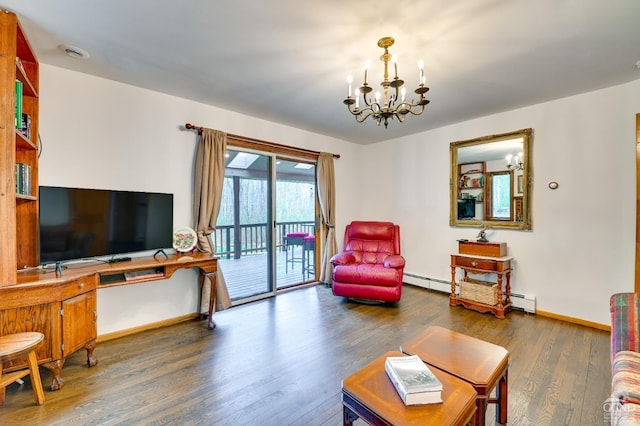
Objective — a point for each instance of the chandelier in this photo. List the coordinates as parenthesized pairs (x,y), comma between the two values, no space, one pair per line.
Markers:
(392,103)
(515,162)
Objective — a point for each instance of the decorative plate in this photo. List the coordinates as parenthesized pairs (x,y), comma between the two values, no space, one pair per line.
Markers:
(184,239)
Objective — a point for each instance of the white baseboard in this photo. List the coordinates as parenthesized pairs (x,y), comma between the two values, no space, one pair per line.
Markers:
(526,302)
(522,302)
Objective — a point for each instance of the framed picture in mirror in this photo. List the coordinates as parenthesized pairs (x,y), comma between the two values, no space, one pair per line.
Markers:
(520,184)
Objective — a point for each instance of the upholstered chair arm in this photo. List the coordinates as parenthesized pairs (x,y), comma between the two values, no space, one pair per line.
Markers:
(394,261)
(343,258)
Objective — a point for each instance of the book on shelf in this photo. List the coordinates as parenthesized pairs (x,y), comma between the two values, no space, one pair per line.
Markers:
(20,66)
(23,179)
(143,274)
(414,381)
(25,125)
(18,104)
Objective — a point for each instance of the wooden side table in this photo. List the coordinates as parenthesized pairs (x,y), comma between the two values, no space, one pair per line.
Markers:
(482,364)
(501,266)
(370,395)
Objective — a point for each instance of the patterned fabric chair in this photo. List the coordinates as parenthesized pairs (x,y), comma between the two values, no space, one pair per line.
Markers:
(624,404)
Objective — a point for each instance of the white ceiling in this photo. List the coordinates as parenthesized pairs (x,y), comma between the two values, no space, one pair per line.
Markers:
(287,61)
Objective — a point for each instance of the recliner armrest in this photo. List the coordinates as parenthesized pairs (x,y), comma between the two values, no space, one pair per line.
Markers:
(394,261)
(343,258)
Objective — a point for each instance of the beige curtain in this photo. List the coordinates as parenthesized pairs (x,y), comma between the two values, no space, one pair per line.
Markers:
(209,177)
(327,197)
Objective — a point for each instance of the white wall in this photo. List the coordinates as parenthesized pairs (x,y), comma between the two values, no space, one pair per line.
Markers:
(98,133)
(581,248)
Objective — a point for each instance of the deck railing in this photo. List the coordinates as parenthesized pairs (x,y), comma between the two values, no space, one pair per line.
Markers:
(253,237)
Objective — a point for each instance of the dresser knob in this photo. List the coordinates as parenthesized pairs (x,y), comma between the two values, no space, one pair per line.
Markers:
(474,263)
(81,286)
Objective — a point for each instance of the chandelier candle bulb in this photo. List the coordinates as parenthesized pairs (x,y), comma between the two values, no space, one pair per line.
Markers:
(349,80)
(366,68)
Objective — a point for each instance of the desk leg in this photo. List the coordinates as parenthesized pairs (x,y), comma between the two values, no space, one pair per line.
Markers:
(201,282)
(212,297)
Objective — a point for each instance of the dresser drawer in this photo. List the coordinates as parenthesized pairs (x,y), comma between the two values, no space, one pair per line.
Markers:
(79,286)
(470,262)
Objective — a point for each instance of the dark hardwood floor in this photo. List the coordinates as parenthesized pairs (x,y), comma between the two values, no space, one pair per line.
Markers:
(280,361)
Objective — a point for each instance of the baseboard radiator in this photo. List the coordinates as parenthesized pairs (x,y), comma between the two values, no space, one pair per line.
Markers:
(523,302)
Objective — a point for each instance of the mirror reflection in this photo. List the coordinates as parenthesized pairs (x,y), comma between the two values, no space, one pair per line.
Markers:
(490,179)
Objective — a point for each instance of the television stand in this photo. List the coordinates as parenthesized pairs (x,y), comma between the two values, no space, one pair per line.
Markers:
(63,308)
(142,269)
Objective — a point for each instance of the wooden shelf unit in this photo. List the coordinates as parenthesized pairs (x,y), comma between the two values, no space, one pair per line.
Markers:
(61,306)
(19,225)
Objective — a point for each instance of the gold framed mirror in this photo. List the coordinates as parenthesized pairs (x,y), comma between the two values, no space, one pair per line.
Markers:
(491,181)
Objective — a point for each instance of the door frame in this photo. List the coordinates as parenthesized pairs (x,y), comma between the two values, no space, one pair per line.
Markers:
(637,278)
(273,156)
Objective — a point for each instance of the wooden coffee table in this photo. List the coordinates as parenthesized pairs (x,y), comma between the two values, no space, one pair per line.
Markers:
(370,395)
(482,364)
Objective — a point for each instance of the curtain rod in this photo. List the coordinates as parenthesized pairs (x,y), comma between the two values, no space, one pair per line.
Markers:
(199,129)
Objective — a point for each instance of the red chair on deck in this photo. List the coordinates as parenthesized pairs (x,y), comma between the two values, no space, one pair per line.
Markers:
(370,266)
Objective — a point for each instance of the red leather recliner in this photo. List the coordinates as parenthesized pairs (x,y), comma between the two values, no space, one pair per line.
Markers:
(370,265)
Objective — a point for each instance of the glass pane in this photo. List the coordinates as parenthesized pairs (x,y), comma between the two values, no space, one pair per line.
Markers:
(295,222)
(242,236)
(501,196)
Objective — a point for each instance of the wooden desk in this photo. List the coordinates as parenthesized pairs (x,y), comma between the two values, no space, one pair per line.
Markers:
(63,306)
(501,266)
(369,394)
(482,364)
(114,274)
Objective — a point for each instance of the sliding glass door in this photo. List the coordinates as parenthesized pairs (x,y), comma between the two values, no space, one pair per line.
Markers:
(243,231)
(265,232)
(295,222)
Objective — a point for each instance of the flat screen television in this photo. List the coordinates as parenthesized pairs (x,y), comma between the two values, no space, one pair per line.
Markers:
(77,223)
(467,208)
